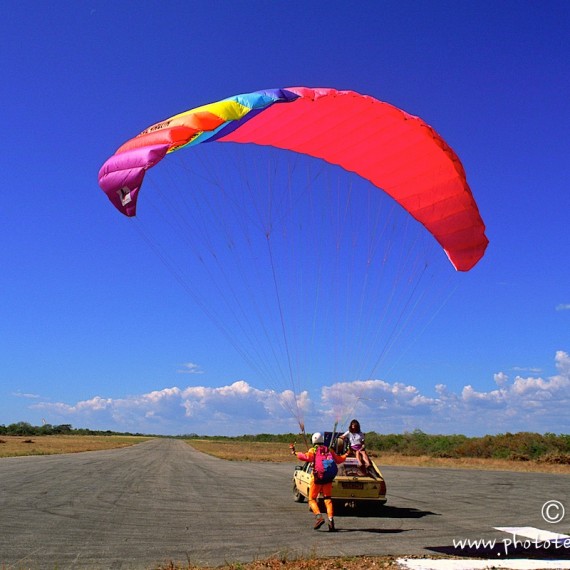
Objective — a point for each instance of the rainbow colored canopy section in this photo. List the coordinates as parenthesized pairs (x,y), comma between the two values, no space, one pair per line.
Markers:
(397,152)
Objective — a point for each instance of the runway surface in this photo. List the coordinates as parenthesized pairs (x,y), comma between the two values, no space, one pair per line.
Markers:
(161,500)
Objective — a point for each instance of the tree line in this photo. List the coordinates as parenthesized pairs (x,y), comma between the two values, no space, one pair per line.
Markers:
(520,446)
(27,429)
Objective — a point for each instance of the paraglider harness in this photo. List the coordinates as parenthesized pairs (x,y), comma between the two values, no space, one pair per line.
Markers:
(325,469)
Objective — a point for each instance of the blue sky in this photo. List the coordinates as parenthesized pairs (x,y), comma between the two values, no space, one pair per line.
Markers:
(94,331)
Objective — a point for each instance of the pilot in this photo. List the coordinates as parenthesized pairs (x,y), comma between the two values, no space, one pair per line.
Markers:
(324,487)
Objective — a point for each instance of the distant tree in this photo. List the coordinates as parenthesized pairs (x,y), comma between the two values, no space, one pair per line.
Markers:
(21,428)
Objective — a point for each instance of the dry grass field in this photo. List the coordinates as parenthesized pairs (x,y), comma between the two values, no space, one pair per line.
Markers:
(279,452)
(15,446)
(348,563)
(470,463)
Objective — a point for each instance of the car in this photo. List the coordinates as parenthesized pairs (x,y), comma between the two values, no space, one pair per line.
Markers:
(354,486)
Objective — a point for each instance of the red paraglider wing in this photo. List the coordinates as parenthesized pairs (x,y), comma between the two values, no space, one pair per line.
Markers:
(397,152)
(394,150)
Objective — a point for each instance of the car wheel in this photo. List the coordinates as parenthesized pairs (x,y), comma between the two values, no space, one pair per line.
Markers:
(298,497)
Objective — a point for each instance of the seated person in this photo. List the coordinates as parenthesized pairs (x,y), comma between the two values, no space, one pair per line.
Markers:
(356,443)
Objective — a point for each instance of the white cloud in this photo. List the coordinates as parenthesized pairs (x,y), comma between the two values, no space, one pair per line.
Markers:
(26,395)
(523,369)
(190,368)
(563,307)
(531,403)
(525,403)
(494,398)
(501,379)
(234,409)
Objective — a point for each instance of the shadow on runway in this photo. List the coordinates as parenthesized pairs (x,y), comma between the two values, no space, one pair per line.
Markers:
(374,530)
(384,512)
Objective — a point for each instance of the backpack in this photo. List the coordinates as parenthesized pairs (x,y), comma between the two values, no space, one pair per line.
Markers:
(325,468)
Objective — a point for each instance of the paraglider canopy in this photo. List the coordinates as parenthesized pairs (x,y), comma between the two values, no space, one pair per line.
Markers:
(305,251)
(397,152)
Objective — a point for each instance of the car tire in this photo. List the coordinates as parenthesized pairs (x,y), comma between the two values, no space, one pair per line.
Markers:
(298,497)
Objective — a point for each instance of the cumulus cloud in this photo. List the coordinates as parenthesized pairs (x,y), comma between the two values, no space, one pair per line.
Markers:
(501,379)
(523,403)
(233,409)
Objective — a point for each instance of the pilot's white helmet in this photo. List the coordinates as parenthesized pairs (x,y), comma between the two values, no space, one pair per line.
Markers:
(318,438)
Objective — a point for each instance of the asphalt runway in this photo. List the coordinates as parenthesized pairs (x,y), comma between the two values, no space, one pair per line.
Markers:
(160,501)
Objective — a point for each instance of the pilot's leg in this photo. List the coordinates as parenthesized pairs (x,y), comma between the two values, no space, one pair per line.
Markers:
(314,491)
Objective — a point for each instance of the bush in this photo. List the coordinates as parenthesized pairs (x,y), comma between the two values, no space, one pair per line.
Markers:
(555,459)
(522,446)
